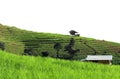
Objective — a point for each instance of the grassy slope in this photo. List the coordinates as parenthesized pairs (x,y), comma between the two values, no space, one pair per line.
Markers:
(25,67)
(15,34)
(47,40)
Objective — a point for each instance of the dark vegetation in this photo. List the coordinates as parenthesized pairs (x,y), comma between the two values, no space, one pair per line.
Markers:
(73,47)
(2,46)
(57,47)
(45,54)
(70,50)
(74,33)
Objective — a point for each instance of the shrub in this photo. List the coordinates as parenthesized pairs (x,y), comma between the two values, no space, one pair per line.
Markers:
(2,45)
(45,54)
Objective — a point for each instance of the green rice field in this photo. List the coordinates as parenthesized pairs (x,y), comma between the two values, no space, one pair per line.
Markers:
(29,67)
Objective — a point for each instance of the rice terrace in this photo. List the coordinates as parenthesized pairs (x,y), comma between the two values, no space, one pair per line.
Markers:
(37,55)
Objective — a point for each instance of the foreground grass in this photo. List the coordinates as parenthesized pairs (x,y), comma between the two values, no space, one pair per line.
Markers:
(25,67)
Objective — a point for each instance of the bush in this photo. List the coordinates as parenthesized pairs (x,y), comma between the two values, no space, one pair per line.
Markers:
(45,54)
(2,45)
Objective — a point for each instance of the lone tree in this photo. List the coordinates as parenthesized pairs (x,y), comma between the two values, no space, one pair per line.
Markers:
(57,47)
(72,32)
(70,49)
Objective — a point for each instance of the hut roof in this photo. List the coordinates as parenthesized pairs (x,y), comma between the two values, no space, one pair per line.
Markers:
(99,57)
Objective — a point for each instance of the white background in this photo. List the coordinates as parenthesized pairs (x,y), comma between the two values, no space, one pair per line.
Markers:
(98,19)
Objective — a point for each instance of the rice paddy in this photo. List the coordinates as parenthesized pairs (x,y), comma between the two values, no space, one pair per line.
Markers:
(30,67)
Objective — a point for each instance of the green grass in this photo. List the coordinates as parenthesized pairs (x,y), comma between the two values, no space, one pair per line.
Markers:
(17,39)
(29,67)
(15,34)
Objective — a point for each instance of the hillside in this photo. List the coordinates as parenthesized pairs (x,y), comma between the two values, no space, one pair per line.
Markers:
(17,40)
(26,67)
